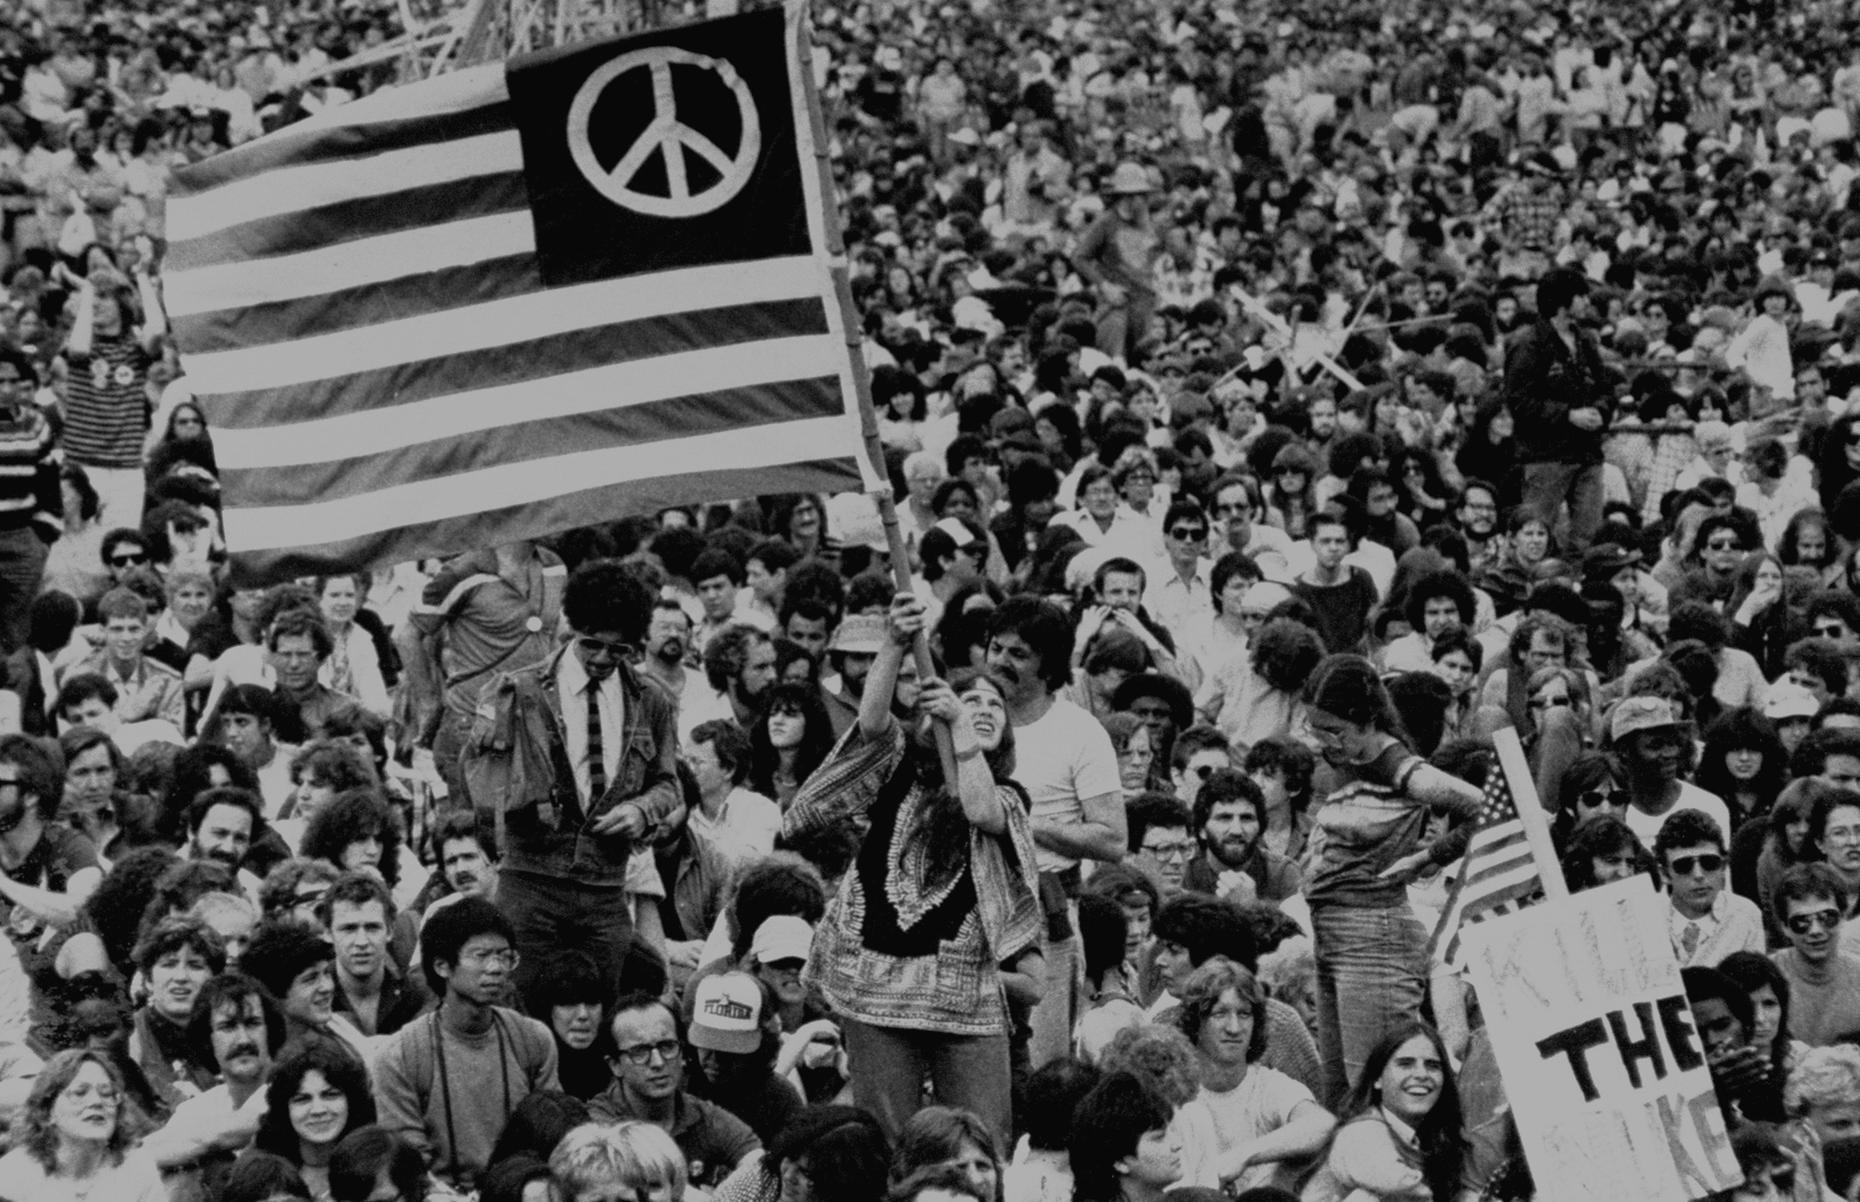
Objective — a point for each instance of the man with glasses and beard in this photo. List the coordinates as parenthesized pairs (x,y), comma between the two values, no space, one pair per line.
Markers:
(1229,820)
(610,738)
(668,639)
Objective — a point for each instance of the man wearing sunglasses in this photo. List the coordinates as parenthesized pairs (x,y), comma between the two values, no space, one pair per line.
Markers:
(1824,983)
(1707,922)
(608,740)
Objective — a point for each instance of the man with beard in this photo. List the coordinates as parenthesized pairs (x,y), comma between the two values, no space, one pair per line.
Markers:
(611,739)
(668,638)
(739,665)
(370,988)
(1229,818)
(221,824)
(175,959)
(855,645)
(1065,761)
(1477,515)
(235,1027)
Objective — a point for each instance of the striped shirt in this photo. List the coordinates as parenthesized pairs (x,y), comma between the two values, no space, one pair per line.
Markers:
(29,463)
(106,407)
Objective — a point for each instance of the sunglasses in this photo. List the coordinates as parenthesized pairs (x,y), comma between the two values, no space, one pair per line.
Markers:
(1708,864)
(1802,924)
(128,560)
(1720,545)
(1188,534)
(1202,771)
(1594,799)
(1831,632)
(593,646)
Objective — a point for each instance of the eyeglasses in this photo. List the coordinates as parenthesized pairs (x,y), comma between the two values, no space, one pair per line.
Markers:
(1707,864)
(1723,545)
(1595,799)
(128,559)
(1232,508)
(1832,631)
(1169,851)
(1802,924)
(1188,534)
(1551,703)
(668,1050)
(508,957)
(594,646)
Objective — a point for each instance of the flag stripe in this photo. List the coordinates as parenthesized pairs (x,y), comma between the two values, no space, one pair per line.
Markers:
(457,104)
(488,527)
(358,308)
(333,413)
(294,189)
(546,437)
(611,386)
(501,322)
(346,219)
(418,502)
(357,264)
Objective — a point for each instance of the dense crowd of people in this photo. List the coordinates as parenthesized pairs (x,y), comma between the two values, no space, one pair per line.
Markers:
(1279,401)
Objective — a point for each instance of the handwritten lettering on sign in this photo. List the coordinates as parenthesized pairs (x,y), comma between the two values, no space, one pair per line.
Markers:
(1600,1057)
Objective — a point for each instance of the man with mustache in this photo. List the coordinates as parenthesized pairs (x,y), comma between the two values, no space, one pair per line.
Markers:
(237,1028)
(1229,818)
(668,640)
(220,826)
(1064,760)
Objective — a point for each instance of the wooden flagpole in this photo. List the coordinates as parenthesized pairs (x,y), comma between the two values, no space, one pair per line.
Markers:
(862,387)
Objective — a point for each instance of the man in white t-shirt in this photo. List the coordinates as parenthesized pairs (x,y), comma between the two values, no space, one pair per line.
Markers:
(1651,745)
(1065,761)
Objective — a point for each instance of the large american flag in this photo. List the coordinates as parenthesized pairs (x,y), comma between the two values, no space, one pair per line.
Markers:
(1496,876)
(518,299)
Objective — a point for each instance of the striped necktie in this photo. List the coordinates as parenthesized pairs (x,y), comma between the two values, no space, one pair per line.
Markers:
(597,759)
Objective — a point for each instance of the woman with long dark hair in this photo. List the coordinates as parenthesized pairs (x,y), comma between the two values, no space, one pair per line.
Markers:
(317,1094)
(1745,764)
(790,738)
(941,893)
(824,1154)
(1402,1135)
(1371,949)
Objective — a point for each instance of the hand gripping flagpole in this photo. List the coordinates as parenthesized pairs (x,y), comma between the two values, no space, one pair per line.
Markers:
(862,387)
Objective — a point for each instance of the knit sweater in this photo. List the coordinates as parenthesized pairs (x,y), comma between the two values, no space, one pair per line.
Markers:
(488,1075)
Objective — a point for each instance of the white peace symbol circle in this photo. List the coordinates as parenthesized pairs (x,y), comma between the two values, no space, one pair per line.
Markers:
(665,135)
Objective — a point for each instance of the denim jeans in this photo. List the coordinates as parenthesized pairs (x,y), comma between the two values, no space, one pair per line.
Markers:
(1371,970)
(889,1065)
(551,915)
(1548,485)
(1057,1012)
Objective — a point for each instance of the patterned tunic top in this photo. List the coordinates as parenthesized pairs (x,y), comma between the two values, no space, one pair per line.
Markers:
(907,943)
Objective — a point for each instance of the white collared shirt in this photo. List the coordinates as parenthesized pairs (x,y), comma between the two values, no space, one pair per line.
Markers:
(572,683)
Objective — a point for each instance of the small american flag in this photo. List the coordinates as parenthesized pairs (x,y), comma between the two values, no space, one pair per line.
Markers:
(1496,876)
(520,298)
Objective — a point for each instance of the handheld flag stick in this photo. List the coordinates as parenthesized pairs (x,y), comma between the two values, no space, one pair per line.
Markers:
(861,379)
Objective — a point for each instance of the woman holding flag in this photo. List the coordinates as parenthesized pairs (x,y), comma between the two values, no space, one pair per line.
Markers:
(1371,949)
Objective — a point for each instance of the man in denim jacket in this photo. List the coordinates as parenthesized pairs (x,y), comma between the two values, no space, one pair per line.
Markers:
(608,737)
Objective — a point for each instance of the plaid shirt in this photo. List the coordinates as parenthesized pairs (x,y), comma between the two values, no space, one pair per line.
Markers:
(1527,219)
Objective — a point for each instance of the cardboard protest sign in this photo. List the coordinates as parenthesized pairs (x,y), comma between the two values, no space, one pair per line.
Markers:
(1601,1060)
